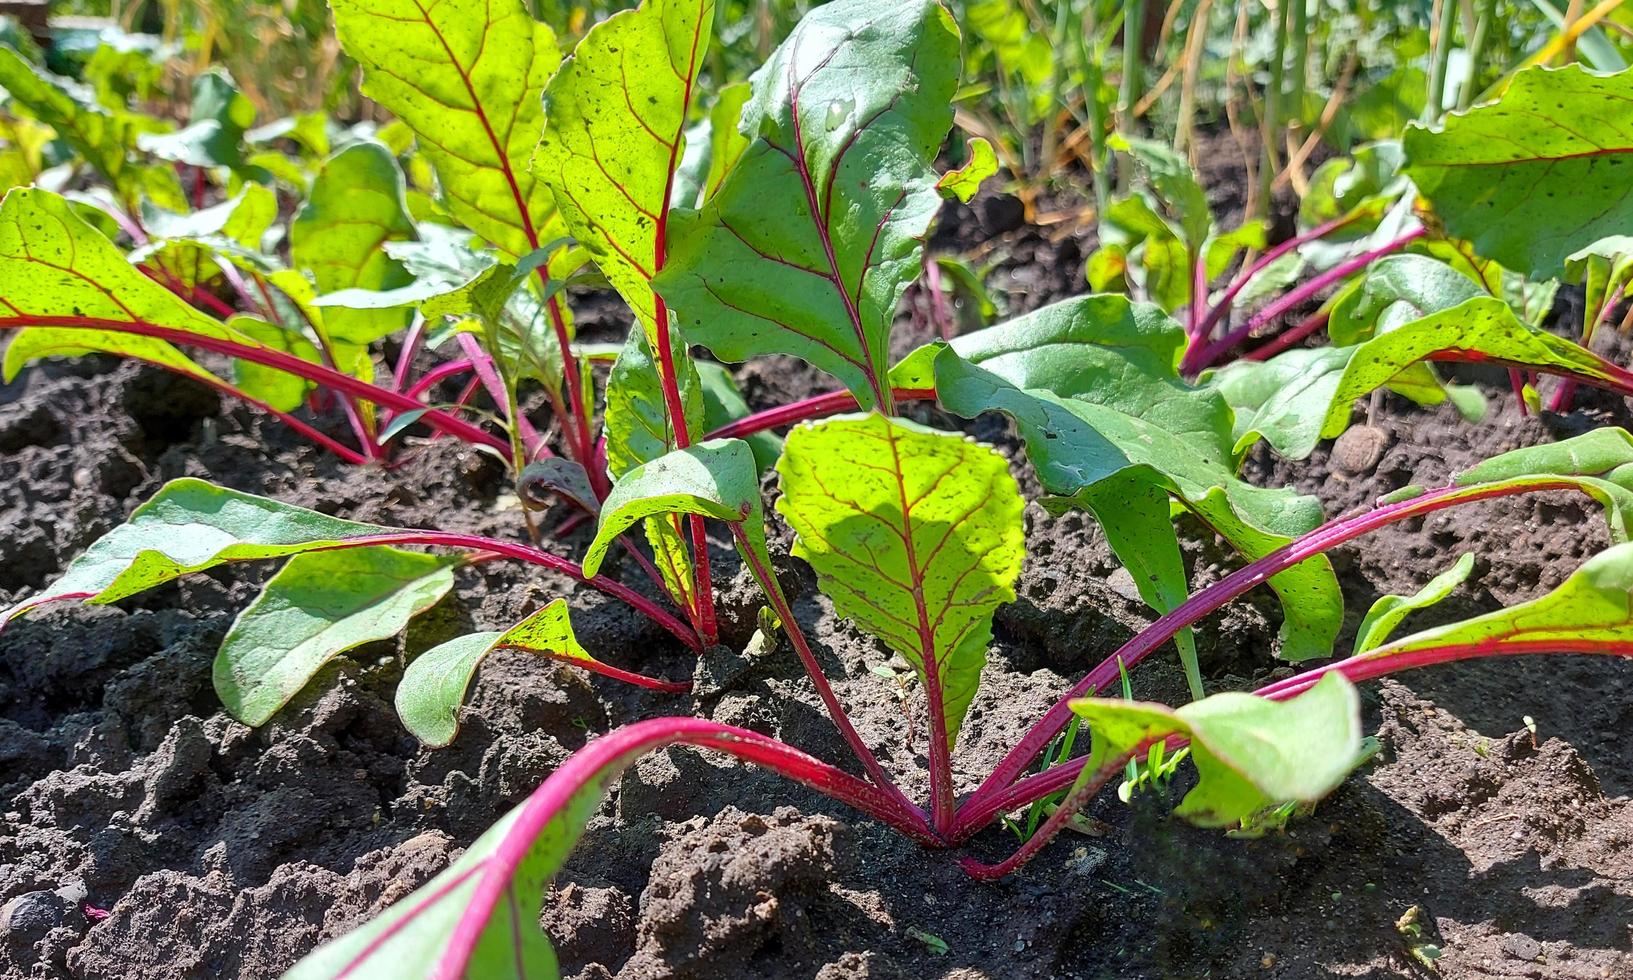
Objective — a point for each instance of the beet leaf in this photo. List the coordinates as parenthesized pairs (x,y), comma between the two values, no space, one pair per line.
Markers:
(815,234)
(1537,174)
(917,537)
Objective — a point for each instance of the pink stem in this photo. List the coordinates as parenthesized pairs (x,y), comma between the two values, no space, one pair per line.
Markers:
(482,364)
(597,764)
(411,349)
(617,673)
(1617,379)
(938,300)
(1209,353)
(1082,791)
(195,295)
(536,556)
(815,407)
(836,710)
(1516,381)
(1228,297)
(1211,599)
(316,373)
(1287,338)
(429,380)
(1368,666)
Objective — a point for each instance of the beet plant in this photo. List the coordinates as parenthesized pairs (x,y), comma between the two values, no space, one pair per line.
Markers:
(793,225)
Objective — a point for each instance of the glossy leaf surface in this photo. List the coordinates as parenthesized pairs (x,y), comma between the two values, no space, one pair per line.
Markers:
(318,606)
(815,234)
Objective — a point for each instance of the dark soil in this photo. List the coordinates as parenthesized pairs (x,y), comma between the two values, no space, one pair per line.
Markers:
(147,835)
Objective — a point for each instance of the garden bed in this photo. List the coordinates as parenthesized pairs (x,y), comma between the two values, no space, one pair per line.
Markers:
(146,834)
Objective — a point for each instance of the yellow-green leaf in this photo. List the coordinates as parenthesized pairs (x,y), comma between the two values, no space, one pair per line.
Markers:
(915,534)
(466,76)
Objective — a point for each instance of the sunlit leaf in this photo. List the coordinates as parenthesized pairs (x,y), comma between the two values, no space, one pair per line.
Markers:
(466,76)
(1298,398)
(917,537)
(617,114)
(318,606)
(1250,753)
(809,244)
(1536,175)
(1388,611)
(1091,386)
(355,206)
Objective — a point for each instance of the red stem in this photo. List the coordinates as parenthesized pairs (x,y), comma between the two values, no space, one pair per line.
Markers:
(436,374)
(341,450)
(836,710)
(1516,382)
(1205,356)
(1375,664)
(1211,599)
(1619,379)
(195,295)
(1367,666)
(316,373)
(616,673)
(411,349)
(1080,794)
(939,312)
(1228,297)
(488,373)
(536,556)
(1287,338)
(815,407)
(597,764)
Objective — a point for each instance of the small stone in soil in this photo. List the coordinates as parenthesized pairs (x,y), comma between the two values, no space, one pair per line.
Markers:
(1358,450)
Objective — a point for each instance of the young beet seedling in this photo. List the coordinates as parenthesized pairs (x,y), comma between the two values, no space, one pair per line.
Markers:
(803,243)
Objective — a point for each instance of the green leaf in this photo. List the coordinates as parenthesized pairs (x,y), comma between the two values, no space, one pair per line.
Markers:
(637,420)
(639,430)
(1394,292)
(214,135)
(1088,412)
(1605,271)
(189,526)
(715,479)
(557,476)
(726,140)
(724,404)
(1069,347)
(1298,398)
(1135,514)
(101,138)
(1590,608)
(1599,463)
(467,77)
(1175,183)
(817,232)
(318,606)
(280,389)
(617,113)
(915,534)
(980,162)
(1537,174)
(434,685)
(1387,613)
(54,265)
(356,205)
(241,219)
(1250,753)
